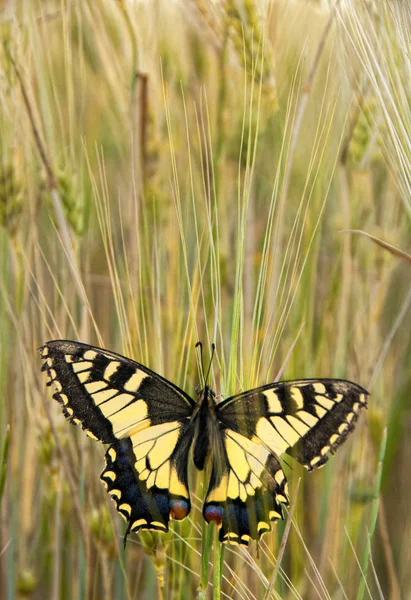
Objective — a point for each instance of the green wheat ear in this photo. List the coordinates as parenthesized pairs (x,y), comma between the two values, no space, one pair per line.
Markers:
(251,47)
(364,133)
(101,527)
(73,200)
(11,199)
(27,581)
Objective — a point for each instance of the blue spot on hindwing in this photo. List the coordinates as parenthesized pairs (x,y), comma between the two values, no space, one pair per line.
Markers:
(213,512)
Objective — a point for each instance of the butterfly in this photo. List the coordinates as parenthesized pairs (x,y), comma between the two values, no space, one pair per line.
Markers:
(155,431)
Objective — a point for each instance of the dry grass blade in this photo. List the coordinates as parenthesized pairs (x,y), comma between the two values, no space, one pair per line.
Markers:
(54,191)
(4,460)
(283,544)
(389,247)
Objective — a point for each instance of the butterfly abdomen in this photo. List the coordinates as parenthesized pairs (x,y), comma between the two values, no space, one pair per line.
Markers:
(204,423)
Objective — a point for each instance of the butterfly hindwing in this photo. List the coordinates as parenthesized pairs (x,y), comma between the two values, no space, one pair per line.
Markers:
(147,504)
(143,417)
(247,488)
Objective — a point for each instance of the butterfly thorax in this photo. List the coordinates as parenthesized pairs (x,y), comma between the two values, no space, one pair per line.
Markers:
(206,426)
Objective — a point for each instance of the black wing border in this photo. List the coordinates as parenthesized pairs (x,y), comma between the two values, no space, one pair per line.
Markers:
(288,382)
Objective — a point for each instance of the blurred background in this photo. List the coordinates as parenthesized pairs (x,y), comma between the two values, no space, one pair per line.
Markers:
(235,171)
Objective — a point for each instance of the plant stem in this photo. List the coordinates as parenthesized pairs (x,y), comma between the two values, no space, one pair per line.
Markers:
(218,563)
(207,543)
(374,516)
(283,544)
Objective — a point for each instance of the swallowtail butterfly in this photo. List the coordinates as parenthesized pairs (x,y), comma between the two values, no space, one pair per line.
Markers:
(154,431)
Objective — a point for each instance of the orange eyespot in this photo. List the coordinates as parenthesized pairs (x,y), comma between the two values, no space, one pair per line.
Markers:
(214,513)
(178,509)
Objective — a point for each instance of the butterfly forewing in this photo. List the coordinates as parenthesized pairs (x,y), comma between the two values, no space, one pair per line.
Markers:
(306,418)
(309,418)
(141,415)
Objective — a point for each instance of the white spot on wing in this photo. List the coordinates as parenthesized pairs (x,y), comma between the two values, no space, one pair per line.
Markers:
(298,425)
(111,369)
(321,412)
(135,381)
(111,408)
(95,386)
(297,396)
(307,417)
(83,377)
(105,395)
(325,402)
(138,523)
(125,507)
(82,366)
(274,404)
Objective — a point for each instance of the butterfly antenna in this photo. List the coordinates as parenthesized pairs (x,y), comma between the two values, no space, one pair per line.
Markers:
(211,361)
(200,345)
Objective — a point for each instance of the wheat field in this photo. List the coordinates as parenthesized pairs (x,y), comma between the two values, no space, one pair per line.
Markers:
(231,171)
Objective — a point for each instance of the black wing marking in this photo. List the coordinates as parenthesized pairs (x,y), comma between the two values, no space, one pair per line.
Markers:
(308,418)
(246,490)
(143,417)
